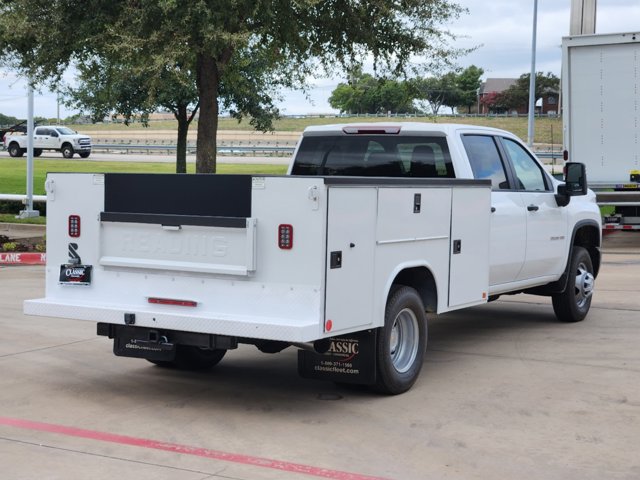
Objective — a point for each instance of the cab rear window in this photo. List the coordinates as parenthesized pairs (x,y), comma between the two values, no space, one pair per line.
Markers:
(374,155)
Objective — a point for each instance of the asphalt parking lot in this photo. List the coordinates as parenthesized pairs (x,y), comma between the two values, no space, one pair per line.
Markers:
(506,392)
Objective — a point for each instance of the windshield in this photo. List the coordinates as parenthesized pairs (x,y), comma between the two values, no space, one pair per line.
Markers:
(374,155)
(65,131)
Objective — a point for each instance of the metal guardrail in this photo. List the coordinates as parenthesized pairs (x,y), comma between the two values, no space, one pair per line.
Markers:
(237,149)
(223,149)
(22,198)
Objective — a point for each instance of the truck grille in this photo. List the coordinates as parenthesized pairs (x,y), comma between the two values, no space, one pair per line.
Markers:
(85,142)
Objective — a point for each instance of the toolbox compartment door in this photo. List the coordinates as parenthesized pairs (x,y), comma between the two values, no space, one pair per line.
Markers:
(350,258)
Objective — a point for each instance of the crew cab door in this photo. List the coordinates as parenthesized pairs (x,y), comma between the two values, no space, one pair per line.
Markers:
(42,138)
(546,221)
(508,214)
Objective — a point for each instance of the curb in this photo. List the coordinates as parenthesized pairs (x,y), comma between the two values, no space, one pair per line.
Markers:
(22,258)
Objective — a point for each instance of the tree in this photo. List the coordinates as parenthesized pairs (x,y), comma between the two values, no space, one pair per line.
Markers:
(495,102)
(216,40)
(6,120)
(366,94)
(517,95)
(437,91)
(109,89)
(469,82)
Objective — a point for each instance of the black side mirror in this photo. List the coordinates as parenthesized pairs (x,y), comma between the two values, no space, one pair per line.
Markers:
(575,183)
(575,179)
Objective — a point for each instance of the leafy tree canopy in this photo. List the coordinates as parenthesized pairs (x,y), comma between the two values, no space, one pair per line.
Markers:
(468,82)
(517,94)
(366,94)
(218,40)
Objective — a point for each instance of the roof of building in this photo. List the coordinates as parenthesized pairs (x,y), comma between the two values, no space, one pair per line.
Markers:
(496,85)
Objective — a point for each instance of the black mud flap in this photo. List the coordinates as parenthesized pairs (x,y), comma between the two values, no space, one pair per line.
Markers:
(143,343)
(350,359)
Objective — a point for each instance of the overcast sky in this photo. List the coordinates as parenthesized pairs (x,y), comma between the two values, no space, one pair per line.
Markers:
(502,28)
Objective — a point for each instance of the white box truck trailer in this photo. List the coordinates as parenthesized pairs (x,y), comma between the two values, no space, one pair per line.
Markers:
(601,117)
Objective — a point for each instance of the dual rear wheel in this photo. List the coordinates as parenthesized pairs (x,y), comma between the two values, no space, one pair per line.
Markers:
(402,342)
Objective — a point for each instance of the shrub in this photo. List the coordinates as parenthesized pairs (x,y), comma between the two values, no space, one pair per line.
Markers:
(9,246)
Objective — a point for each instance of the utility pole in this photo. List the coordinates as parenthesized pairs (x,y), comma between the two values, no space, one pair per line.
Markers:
(532,78)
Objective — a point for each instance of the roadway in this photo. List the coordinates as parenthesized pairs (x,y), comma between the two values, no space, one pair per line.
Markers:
(506,392)
(166,158)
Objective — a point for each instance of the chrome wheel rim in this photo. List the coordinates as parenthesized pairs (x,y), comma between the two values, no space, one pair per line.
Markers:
(404,340)
(584,285)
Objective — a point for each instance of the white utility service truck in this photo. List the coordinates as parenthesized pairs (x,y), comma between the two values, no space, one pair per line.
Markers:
(374,226)
(49,137)
(601,116)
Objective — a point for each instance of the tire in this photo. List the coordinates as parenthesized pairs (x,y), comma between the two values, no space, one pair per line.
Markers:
(84,155)
(573,304)
(67,151)
(37,152)
(15,150)
(192,358)
(402,341)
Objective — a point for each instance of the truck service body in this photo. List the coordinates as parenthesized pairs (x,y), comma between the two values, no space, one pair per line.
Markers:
(601,119)
(373,226)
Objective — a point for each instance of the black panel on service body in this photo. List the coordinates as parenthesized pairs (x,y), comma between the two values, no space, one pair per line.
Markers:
(178,194)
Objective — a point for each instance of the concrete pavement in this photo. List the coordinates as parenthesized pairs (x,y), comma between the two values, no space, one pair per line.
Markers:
(506,392)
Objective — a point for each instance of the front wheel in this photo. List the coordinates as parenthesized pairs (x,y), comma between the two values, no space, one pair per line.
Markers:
(401,342)
(573,304)
(84,155)
(67,151)
(189,357)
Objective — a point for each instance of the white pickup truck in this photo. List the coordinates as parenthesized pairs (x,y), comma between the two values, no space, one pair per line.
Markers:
(49,137)
(375,228)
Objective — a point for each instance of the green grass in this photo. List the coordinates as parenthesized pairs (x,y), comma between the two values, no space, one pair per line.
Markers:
(10,218)
(547,129)
(13,170)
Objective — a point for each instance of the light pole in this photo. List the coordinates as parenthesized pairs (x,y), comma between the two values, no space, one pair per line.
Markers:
(29,211)
(532,79)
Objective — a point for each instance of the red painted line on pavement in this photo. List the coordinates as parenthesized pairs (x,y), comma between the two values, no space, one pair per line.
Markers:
(185,450)
(23,258)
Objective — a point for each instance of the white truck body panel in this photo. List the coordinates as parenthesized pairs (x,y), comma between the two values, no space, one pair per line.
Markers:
(243,284)
(601,94)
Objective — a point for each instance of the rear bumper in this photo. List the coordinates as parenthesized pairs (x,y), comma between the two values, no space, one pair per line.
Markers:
(174,318)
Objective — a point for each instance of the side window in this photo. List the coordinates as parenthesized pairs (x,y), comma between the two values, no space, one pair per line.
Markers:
(42,131)
(485,160)
(529,175)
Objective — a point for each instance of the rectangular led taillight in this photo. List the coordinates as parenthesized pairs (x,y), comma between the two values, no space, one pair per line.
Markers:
(172,301)
(285,237)
(74,226)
